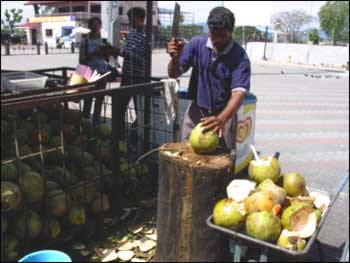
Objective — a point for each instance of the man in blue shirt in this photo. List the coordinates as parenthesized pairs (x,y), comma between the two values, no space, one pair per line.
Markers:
(220,77)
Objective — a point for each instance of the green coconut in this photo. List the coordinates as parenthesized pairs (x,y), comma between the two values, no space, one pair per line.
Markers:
(22,137)
(294,184)
(10,248)
(278,193)
(11,196)
(63,177)
(52,185)
(263,226)
(83,192)
(55,141)
(27,225)
(24,150)
(229,213)
(22,167)
(54,228)
(69,132)
(100,204)
(8,172)
(206,142)
(55,157)
(288,241)
(80,140)
(103,131)
(101,151)
(318,215)
(72,116)
(59,202)
(260,201)
(34,164)
(77,216)
(32,186)
(266,168)
(4,224)
(87,127)
(123,148)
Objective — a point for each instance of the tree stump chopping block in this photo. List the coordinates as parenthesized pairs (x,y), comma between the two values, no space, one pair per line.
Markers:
(189,187)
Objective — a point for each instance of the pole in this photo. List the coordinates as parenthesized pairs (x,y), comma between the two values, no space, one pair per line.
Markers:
(104,18)
(148,65)
(264,57)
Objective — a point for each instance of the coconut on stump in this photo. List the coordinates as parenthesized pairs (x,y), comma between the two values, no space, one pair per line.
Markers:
(189,187)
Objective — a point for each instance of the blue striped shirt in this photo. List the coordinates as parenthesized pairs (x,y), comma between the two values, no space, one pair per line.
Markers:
(134,53)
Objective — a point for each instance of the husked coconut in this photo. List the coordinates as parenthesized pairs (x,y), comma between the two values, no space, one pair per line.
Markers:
(265,168)
(278,193)
(300,219)
(203,142)
(239,189)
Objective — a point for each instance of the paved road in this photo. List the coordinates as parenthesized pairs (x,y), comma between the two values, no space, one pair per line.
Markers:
(303,113)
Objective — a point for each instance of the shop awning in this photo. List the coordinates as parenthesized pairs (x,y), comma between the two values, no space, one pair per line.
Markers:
(29,25)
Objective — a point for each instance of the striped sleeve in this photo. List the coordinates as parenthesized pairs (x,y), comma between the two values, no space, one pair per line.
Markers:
(134,50)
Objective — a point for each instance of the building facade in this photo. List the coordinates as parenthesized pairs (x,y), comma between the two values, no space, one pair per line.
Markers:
(55,19)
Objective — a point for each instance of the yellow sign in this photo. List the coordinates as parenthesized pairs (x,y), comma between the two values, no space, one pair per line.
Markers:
(50,19)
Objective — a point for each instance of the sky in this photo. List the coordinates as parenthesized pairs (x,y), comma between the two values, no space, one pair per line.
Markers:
(253,12)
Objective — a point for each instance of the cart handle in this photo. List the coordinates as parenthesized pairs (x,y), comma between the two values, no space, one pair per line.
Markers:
(340,187)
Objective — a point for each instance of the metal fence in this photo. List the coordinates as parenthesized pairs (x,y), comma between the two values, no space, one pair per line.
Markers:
(64,170)
(12,49)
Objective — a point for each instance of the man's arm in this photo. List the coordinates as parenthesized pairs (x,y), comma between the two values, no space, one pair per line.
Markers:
(217,122)
(175,49)
(174,68)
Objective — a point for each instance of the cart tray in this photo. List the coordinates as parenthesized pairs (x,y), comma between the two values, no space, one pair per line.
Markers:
(242,236)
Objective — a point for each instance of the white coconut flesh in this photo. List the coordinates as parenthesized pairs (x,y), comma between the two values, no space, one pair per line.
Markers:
(303,224)
(238,189)
(262,162)
(321,201)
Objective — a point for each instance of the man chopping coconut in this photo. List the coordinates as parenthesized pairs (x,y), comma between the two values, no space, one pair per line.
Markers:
(220,77)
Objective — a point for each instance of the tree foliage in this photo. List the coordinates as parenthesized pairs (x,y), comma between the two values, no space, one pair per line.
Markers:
(334,20)
(13,17)
(248,33)
(314,36)
(291,22)
(185,31)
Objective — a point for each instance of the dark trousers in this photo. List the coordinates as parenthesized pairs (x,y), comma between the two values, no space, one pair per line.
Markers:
(98,104)
(193,116)
(124,102)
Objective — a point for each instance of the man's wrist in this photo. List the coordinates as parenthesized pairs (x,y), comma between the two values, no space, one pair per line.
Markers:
(174,68)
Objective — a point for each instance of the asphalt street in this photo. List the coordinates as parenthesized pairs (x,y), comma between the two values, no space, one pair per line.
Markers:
(302,112)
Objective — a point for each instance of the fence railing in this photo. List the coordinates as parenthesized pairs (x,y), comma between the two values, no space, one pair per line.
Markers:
(8,49)
(87,164)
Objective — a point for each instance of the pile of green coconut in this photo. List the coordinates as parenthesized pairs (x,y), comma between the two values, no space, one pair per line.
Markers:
(78,175)
(272,207)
